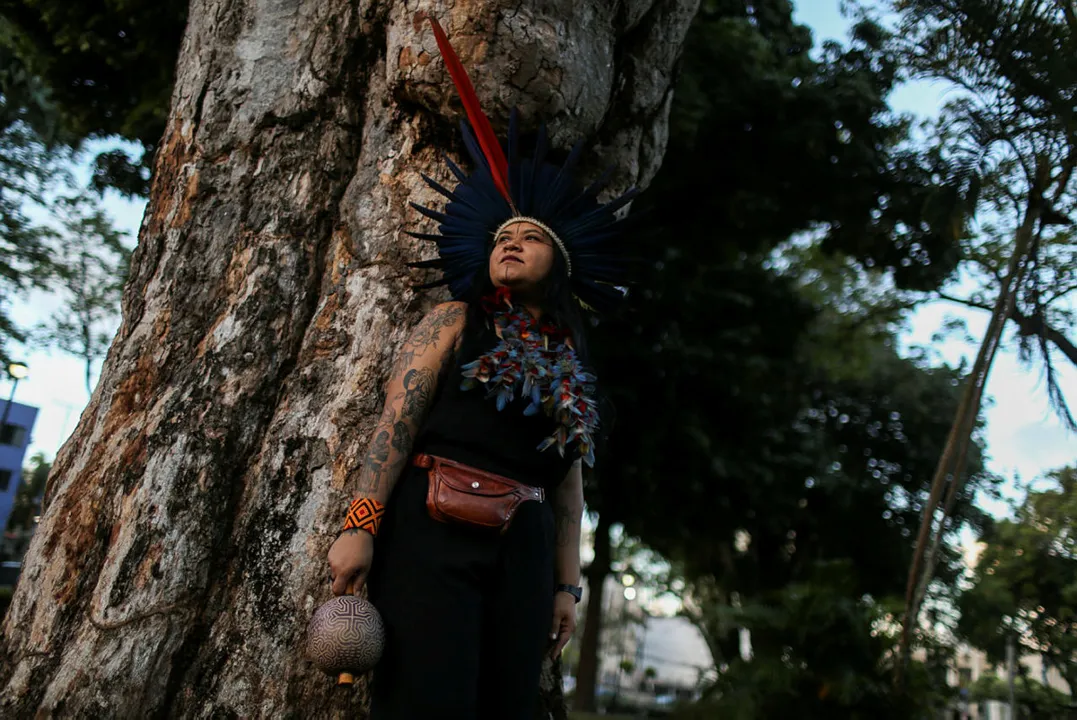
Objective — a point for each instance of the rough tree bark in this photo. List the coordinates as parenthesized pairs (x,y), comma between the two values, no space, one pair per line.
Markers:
(183,550)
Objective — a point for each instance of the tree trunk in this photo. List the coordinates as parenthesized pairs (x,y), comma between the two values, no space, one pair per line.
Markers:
(597,571)
(951,464)
(183,550)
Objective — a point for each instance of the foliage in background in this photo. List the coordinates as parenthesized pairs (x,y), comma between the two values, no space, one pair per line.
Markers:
(28,165)
(1025,581)
(1035,700)
(107,67)
(90,263)
(1004,149)
(828,663)
(49,242)
(31,490)
(780,450)
(1008,137)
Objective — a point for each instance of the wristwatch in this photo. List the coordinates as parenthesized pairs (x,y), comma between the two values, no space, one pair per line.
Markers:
(573,590)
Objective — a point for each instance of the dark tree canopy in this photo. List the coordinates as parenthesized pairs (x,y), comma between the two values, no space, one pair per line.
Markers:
(1025,581)
(759,393)
(26,165)
(721,356)
(105,67)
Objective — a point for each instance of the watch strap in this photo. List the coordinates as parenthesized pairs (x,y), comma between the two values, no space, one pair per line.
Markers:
(573,590)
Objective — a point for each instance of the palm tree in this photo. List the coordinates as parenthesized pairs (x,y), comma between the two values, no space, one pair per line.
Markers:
(1008,138)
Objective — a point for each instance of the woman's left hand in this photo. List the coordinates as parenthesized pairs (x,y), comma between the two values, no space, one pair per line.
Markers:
(564,621)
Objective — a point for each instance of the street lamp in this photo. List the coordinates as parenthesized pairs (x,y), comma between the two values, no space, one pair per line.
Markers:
(16,371)
(628,580)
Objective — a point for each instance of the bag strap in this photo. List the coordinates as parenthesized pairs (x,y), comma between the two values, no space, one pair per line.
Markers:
(428,462)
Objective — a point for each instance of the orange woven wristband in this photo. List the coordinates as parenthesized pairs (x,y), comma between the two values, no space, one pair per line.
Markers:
(365,514)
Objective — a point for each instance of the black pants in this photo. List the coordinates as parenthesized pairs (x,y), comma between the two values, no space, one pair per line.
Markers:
(467,612)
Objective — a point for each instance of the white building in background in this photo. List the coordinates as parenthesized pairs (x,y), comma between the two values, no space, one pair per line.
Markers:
(674,648)
(641,645)
(971,664)
(644,657)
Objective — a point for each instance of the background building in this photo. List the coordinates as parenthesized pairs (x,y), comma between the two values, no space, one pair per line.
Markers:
(970,664)
(645,660)
(14,439)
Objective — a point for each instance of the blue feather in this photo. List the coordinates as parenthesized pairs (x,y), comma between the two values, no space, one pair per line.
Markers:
(475,208)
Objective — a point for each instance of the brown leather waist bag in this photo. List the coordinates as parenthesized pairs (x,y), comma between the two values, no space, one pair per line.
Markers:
(463,494)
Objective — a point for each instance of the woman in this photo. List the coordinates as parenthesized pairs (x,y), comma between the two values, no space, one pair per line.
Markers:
(467,516)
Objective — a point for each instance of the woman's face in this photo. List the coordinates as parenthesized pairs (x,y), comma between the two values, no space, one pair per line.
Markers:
(522,257)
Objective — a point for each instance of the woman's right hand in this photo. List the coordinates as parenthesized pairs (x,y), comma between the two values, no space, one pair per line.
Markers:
(349,560)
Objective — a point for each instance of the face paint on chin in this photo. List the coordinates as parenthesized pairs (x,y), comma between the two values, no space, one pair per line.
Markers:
(518,278)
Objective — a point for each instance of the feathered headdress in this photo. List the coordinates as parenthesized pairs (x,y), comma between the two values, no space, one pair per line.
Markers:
(502,190)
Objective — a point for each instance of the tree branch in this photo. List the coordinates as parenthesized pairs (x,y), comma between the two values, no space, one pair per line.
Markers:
(1071,19)
(962,301)
(1060,293)
(951,462)
(1026,325)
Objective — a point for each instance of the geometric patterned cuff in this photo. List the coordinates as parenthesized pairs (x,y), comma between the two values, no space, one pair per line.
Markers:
(365,514)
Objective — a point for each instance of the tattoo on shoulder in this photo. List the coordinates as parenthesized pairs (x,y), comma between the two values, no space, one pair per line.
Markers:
(428,331)
(427,334)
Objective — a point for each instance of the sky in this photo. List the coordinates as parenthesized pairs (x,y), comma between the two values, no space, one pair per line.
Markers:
(1023,436)
(56,383)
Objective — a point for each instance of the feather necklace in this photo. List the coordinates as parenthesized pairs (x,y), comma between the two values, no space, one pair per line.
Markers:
(535,361)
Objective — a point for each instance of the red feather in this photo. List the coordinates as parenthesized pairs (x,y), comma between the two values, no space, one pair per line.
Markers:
(491,148)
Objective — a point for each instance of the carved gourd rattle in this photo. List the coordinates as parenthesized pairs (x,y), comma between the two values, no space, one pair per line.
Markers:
(346,637)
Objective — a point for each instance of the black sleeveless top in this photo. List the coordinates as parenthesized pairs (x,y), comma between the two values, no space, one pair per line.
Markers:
(466,426)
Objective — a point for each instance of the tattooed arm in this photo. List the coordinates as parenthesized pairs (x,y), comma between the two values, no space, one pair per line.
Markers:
(408,396)
(567,512)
